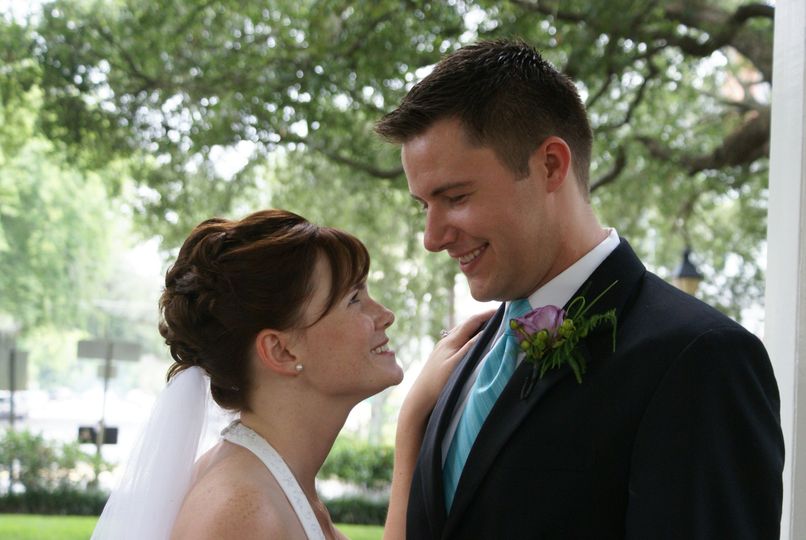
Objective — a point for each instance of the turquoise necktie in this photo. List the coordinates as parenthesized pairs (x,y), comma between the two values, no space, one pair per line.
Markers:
(496,370)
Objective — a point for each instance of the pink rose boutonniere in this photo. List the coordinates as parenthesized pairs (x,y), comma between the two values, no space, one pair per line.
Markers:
(549,336)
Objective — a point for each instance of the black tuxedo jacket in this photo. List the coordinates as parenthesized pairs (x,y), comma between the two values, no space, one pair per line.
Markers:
(674,435)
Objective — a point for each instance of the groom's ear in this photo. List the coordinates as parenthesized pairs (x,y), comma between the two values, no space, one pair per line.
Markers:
(272,348)
(552,160)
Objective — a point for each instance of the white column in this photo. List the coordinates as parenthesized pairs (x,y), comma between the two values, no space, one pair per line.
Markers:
(785,321)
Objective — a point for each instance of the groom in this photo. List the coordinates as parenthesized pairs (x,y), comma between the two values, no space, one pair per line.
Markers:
(673,431)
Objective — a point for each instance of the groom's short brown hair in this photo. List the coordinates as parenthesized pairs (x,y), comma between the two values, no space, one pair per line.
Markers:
(506,96)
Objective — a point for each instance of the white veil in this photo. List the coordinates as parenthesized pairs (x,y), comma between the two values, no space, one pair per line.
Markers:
(158,474)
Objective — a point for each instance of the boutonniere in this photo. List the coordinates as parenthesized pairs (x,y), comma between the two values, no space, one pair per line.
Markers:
(549,336)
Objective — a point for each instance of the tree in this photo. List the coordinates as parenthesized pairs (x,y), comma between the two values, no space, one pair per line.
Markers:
(169,82)
(677,91)
(61,229)
(57,238)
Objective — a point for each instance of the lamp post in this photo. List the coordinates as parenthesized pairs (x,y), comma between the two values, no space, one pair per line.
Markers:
(13,364)
(686,277)
(107,350)
(13,376)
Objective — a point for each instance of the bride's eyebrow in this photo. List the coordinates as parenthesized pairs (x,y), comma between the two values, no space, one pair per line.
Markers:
(356,288)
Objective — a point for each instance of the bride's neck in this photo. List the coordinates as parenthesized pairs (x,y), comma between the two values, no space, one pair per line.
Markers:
(302,435)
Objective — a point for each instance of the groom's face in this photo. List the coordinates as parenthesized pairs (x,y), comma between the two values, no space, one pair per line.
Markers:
(499,229)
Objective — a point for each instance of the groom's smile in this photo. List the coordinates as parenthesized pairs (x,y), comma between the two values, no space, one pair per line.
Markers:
(467,258)
(470,262)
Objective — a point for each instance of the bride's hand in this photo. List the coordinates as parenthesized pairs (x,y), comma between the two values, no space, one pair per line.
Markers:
(440,364)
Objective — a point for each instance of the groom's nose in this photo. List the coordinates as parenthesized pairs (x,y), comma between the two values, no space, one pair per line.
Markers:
(438,232)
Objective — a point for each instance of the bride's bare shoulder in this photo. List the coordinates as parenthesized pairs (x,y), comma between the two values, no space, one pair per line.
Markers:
(234,496)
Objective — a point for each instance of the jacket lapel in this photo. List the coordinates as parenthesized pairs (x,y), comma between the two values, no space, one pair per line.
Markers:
(430,461)
(510,410)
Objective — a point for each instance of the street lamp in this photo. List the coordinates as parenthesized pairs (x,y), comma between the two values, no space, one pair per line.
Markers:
(686,277)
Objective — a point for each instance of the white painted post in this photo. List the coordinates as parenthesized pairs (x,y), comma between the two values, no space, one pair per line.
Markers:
(785,321)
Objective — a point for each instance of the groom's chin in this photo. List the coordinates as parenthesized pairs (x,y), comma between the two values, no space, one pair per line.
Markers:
(479,293)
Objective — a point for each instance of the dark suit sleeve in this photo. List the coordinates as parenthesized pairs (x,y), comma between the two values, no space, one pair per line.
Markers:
(709,454)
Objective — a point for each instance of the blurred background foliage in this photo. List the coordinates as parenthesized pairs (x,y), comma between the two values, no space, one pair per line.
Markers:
(47,465)
(125,121)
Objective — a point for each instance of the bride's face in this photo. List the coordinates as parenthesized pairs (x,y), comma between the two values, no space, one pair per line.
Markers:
(347,352)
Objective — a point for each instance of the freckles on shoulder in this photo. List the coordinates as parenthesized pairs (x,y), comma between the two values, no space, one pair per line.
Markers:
(232,509)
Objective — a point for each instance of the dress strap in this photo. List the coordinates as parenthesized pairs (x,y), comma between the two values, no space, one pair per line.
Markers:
(241,435)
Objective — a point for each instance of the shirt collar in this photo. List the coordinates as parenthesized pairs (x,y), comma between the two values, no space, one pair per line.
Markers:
(558,291)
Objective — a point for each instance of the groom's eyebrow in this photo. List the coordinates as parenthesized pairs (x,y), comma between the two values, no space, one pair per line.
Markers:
(436,192)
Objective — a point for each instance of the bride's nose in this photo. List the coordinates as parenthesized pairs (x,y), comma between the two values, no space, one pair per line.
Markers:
(385,317)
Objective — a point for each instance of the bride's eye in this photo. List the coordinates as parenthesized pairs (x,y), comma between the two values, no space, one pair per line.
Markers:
(354,298)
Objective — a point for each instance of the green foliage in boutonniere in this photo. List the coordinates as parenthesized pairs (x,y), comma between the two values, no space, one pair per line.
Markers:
(549,336)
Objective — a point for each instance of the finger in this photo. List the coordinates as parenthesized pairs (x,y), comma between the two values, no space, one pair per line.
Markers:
(463,350)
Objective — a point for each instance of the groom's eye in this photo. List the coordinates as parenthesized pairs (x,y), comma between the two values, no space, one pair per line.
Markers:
(457,199)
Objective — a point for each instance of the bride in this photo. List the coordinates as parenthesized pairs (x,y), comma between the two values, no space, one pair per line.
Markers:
(271,315)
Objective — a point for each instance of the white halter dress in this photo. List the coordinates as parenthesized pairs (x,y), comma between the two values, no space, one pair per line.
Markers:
(241,435)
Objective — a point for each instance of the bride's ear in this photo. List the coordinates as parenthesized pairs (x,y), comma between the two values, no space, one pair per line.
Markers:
(273,352)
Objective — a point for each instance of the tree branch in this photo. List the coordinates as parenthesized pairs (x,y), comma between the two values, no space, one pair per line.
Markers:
(722,27)
(684,212)
(704,15)
(599,93)
(637,99)
(613,173)
(747,143)
(191,17)
(360,40)
(754,11)
(384,174)
(134,69)
(551,11)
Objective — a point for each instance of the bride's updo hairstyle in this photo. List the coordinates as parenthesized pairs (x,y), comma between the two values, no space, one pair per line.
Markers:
(233,279)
